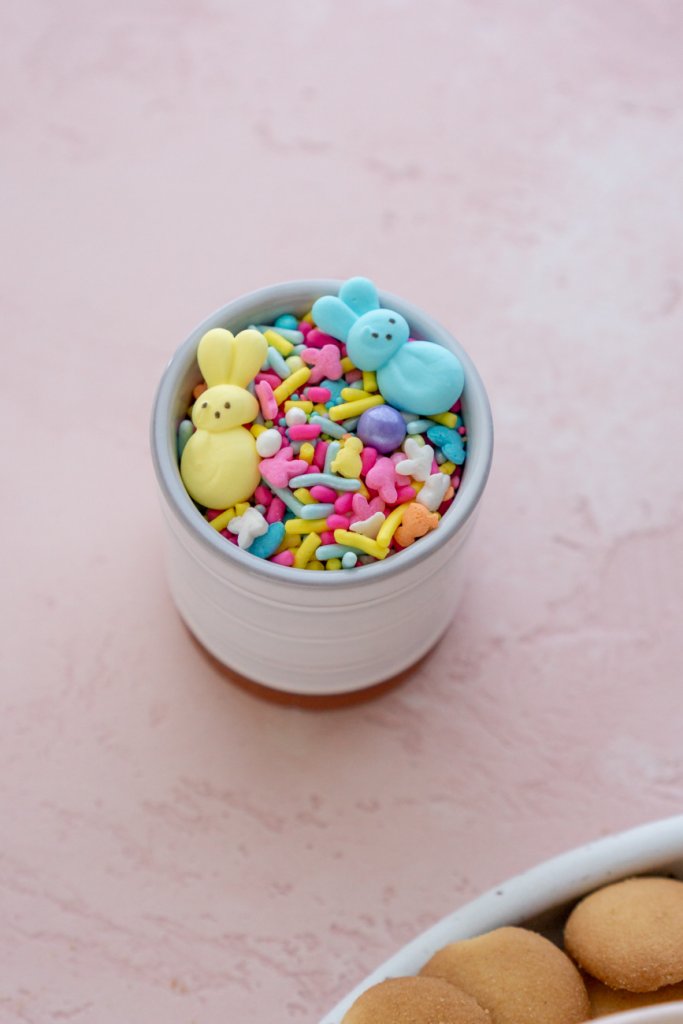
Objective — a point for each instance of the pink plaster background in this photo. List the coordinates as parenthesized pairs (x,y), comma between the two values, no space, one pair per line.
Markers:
(173,849)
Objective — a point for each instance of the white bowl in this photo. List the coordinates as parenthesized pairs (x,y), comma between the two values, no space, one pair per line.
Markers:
(541,899)
(313,633)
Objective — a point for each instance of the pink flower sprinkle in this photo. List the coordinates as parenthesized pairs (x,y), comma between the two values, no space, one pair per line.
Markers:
(279,470)
(325,362)
(382,478)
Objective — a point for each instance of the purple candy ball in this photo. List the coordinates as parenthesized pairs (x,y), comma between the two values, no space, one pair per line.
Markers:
(382,427)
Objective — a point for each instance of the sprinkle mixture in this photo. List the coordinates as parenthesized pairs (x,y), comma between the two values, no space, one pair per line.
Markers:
(345,478)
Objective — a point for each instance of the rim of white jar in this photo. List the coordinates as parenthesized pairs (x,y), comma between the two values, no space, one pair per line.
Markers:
(263,306)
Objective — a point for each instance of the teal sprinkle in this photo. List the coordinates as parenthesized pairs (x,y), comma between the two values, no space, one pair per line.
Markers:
(319,511)
(339,483)
(290,501)
(269,542)
(331,455)
(328,426)
(419,426)
(327,551)
(278,364)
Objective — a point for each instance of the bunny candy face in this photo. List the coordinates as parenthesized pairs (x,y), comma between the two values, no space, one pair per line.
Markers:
(223,407)
(376,337)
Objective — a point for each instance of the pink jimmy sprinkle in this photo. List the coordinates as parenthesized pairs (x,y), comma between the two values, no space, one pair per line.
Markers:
(320,453)
(304,431)
(315,394)
(368,458)
(337,522)
(276,511)
(211,513)
(324,494)
(266,398)
(269,378)
(406,493)
(318,338)
(284,558)
(343,503)
(263,495)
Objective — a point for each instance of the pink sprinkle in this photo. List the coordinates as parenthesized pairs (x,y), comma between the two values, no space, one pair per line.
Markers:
(284,558)
(316,394)
(337,522)
(457,407)
(280,469)
(383,478)
(435,466)
(229,536)
(327,537)
(317,338)
(353,375)
(405,494)
(304,431)
(305,327)
(211,513)
(325,494)
(461,430)
(276,511)
(269,378)
(264,393)
(455,480)
(320,453)
(263,495)
(368,458)
(343,503)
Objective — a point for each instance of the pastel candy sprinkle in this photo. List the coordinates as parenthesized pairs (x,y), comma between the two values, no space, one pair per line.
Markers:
(267,543)
(357,452)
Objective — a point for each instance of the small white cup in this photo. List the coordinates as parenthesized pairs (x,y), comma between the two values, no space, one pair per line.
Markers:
(313,633)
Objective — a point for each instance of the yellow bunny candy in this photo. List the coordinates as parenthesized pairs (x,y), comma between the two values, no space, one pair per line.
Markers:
(219,464)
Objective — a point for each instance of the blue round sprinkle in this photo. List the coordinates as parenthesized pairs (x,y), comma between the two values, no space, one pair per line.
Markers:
(287,322)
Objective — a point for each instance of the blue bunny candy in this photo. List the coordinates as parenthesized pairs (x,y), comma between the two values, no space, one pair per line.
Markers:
(450,443)
(421,377)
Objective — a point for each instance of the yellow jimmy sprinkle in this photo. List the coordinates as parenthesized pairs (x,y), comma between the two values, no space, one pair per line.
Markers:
(351,409)
(304,554)
(365,544)
(289,386)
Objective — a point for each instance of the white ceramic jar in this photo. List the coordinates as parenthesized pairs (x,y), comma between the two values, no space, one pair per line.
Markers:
(313,633)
